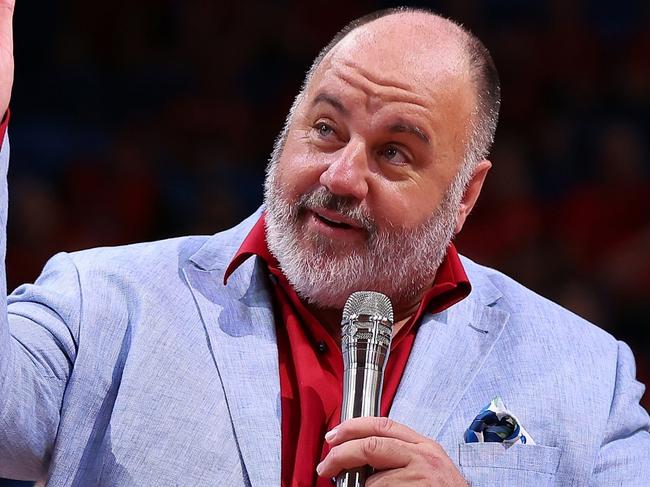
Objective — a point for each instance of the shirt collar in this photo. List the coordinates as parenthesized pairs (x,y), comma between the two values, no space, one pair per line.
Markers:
(253,244)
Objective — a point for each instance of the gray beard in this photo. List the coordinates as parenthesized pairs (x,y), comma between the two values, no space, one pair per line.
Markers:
(400,263)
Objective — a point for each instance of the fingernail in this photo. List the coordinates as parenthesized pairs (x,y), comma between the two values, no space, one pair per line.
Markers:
(319,468)
(330,435)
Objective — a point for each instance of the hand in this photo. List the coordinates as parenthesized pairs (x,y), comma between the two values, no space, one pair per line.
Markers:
(6,53)
(399,455)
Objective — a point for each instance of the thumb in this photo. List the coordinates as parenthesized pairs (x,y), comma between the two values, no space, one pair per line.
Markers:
(6,24)
(6,52)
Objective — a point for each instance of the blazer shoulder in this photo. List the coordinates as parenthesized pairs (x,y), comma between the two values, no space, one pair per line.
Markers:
(139,258)
(532,313)
(170,254)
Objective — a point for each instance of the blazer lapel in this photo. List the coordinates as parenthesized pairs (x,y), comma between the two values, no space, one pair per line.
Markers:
(448,352)
(239,322)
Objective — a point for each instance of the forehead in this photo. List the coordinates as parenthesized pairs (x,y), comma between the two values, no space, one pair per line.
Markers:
(414,59)
(414,46)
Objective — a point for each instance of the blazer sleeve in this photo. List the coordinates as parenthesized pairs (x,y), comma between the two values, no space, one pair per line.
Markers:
(624,456)
(38,329)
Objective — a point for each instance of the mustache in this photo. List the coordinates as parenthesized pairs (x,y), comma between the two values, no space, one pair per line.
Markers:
(344,205)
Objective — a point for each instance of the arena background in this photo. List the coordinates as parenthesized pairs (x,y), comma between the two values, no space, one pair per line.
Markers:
(141,120)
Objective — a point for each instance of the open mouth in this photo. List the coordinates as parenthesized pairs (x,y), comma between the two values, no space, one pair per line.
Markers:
(332,223)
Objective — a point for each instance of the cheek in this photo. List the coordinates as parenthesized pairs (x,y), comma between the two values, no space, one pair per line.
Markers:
(299,169)
(406,206)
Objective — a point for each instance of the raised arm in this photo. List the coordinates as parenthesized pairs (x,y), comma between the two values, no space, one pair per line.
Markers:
(6,52)
(37,330)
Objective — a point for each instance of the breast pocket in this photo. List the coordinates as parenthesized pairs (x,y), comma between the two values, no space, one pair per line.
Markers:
(492,464)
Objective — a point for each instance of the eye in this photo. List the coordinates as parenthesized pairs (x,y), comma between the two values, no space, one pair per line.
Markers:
(323,130)
(394,155)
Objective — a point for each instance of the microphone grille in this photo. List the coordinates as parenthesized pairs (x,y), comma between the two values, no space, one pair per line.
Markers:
(368,303)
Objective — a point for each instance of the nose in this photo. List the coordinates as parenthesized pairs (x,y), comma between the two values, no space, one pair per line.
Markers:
(347,175)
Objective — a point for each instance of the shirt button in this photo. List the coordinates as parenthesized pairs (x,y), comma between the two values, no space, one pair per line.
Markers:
(322,347)
(273,279)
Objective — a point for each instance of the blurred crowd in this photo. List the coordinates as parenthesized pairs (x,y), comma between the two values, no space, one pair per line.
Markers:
(139,120)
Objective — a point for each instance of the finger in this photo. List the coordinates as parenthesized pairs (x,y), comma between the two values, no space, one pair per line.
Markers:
(380,453)
(6,23)
(6,53)
(372,426)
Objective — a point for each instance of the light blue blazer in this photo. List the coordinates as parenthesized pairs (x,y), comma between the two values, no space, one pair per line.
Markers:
(137,366)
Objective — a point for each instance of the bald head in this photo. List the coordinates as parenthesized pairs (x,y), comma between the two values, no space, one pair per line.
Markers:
(413,41)
(428,46)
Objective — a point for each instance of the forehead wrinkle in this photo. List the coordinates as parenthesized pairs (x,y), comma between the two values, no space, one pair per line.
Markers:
(375,99)
(374,78)
(376,87)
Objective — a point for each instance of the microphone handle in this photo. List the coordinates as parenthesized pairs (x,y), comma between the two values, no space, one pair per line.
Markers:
(354,478)
(362,386)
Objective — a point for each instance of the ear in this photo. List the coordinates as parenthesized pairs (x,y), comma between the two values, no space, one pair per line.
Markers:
(472,192)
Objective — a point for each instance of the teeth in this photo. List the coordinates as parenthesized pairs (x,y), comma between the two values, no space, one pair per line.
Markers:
(330,220)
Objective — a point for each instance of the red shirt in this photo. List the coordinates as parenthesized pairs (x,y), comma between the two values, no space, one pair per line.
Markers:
(311,364)
(3,126)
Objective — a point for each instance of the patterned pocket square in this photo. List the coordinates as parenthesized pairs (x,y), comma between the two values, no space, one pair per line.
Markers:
(496,424)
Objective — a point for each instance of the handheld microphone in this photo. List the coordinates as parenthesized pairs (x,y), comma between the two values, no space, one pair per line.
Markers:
(367,327)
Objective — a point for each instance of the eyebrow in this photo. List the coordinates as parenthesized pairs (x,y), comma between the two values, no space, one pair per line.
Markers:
(330,100)
(398,128)
(404,127)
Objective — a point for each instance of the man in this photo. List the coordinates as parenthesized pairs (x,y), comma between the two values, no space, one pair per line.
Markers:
(191,362)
